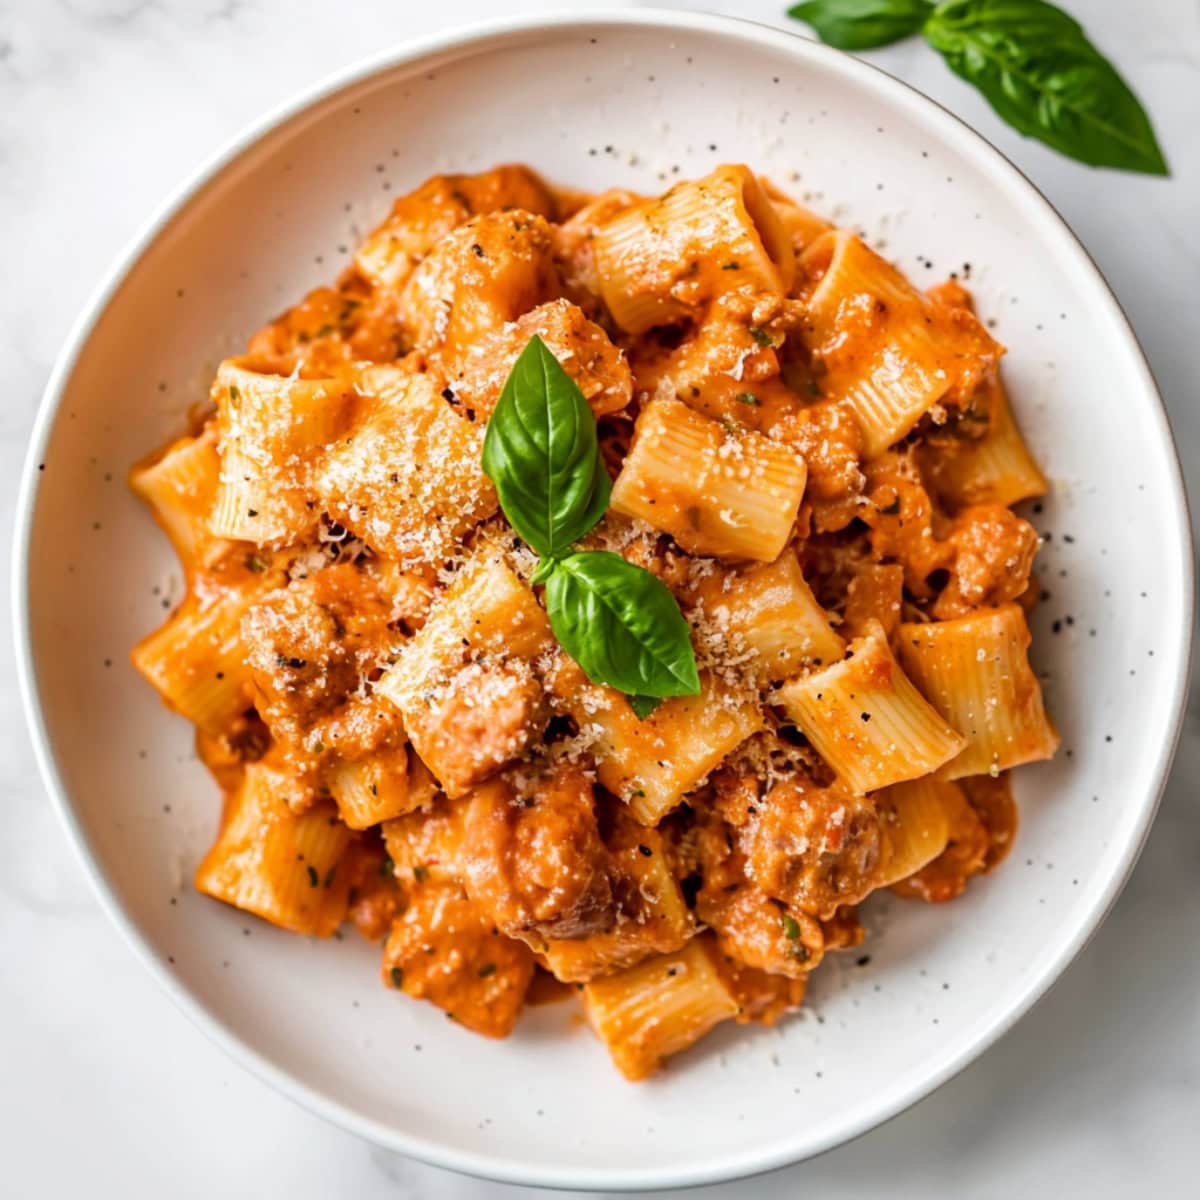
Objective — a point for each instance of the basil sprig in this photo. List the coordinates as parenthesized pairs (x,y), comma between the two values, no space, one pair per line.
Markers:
(1032,62)
(619,622)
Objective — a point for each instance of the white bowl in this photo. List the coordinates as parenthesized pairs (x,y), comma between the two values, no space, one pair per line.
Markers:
(638,98)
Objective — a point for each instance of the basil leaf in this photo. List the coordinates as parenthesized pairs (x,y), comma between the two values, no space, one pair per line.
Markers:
(1037,15)
(541,452)
(621,625)
(862,24)
(1037,69)
(643,706)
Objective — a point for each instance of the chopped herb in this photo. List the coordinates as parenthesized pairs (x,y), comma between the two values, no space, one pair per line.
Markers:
(314,880)
(256,563)
(420,874)
(761,336)
(397,977)
(234,394)
(486,970)
(749,398)
(814,388)
(387,867)
(319,748)
(733,265)
(791,928)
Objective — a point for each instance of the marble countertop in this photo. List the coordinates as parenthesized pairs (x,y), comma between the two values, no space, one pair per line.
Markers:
(104,106)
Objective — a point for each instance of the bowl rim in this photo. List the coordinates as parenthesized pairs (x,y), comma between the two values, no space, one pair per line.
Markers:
(460,38)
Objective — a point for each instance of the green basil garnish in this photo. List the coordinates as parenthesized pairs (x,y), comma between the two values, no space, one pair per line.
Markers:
(621,625)
(1032,62)
(619,622)
(862,24)
(1037,69)
(643,706)
(541,453)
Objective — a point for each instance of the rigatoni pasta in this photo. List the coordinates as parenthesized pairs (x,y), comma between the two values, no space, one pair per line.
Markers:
(916,822)
(768,612)
(652,763)
(976,672)
(374,789)
(197,662)
(280,865)
(867,720)
(996,468)
(274,432)
(717,490)
(651,1011)
(179,484)
(892,353)
(408,480)
(677,797)
(666,259)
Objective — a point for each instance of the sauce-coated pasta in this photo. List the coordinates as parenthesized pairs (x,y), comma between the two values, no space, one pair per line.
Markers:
(814,456)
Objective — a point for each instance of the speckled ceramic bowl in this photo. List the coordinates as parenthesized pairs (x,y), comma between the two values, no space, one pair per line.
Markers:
(637,99)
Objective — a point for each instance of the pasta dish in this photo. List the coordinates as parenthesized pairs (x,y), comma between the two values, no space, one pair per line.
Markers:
(600,596)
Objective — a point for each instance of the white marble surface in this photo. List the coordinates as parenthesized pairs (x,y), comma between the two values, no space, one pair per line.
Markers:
(104,106)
